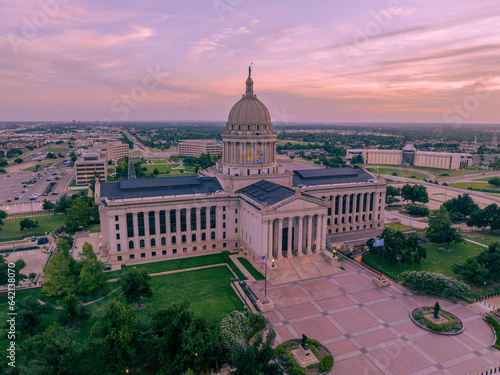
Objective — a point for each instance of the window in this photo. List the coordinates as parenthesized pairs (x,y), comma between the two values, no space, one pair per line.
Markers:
(224,244)
(117,236)
(130,225)
(212,235)
(344,203)
(140,223)
(174,240)
(236,211)
(118,247)
(204,247)
(163,222)
(224,208)
(343,220)
(336,221)
(235,230)
(153,254)
(203,218)
(130,245)
(371,201)
(358,202)
(213,220)
(183,220)
(164,252)
(193,237)
(224,235)
(183,238)
(153,242)
(223,216)
(351,203)
(142,244)
(330,212)
(143,255)
(163,241)
(236,244)
(337,202)
(195,248)
(224,225)
(152,225)
(203,236)
(214,246)
(116,218)
(119,258)
(132,256)
(173,222)
(184,249)
(236,221)
(329,222)
(357,218)
(174,251)
(193,218)
(350,219)
(117,226)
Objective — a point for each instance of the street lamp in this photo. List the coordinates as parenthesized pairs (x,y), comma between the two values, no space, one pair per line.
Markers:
(273,263)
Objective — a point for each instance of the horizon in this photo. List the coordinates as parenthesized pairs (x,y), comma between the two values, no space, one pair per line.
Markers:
(369,62)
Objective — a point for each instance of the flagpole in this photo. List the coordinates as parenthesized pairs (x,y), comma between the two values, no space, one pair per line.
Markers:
(265,283)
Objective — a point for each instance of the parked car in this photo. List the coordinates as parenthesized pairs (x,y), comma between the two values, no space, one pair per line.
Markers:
(43,240)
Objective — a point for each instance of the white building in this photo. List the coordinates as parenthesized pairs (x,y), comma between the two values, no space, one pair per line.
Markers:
(247,201)
(196,147)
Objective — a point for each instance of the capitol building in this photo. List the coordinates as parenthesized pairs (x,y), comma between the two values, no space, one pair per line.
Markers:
(247,201)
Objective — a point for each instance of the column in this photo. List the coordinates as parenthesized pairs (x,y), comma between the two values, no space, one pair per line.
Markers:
(300,247)
(207,221)
(318,232)
(198,224)
(178,226)
(324,231)
(280,238)
(309,234)
(188,224)
(290,230)
(167,223)
(270,240)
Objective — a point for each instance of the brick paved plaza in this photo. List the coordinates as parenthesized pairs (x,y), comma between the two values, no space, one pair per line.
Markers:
(368,330)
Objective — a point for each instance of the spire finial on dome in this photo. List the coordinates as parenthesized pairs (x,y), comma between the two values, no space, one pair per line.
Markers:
(249,92)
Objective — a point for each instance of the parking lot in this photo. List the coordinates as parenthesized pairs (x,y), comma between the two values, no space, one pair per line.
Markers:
(11,186)
(35,260)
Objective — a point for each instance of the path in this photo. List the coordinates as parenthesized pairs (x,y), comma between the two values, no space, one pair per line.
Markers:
(430,175)
(240,266)
(477,243)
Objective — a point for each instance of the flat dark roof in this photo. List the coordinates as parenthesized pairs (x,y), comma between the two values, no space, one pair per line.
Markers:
(157,187)
(329,176)
(266,191)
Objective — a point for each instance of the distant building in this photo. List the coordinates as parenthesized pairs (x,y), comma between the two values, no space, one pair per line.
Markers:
(196,147)
(410,156)
(87,164)
(115,150)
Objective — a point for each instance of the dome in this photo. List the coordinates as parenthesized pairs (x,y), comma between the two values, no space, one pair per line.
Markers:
(409,147)
(249,110)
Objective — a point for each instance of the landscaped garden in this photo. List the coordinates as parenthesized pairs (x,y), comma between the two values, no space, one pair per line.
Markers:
(292,367)
(423,316)
(398,172)
(11,229)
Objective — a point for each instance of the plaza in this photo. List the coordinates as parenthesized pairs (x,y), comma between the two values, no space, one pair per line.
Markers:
(368,329)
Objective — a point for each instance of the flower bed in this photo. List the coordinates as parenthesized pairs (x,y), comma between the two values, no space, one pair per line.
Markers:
(292,367)
(421,317)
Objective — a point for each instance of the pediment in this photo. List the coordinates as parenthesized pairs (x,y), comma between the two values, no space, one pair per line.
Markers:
(298,204)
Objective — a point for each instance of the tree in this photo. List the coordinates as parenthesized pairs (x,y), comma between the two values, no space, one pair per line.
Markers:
(63,204)
(415,193)
(460,207)
(28,224)
(18,161)
(78,215)
(60,278)
(440,228)
(73,311)
(156,172)
(398,245)
(48,205)
(183,340)
(358,159)
(233,328)
(53,350)
(485,266)
(50,155)
(3,215)
(63,244)
(29,314)
(92,278)
(257,358)
(6,276)
(495,181)
(114,339)
(487,217)
(136,284)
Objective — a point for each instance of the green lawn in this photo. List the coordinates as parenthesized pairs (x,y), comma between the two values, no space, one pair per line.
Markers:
(478,186)
(400,172)
(483,237)
(159,161)
(250,268)
(164,168)
(94,228)
(10,229)
(448,173)
(57,149)
(176,264)
(437,260)
(282,142)
(399,227)
(73,183)
(483,179)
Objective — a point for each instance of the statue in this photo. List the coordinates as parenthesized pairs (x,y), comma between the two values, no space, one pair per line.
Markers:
(436,310)
(304,339)
(250,70)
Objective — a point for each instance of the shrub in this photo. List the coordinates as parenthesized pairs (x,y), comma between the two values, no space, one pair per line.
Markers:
(233,328)
(417,209)
(313,342)
(280,350)
(296,371)
(418,317)
(326,364)
(434,281)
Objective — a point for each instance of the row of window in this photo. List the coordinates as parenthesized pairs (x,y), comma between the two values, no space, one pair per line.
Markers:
(172,221)
(357,203)
(163,241)
(174,251)
(349,219)
(351,228)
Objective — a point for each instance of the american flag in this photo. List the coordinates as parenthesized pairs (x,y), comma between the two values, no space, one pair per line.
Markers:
(261,259)
(259,159)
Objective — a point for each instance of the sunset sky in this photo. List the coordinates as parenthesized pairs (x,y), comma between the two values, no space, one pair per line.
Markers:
(322,61)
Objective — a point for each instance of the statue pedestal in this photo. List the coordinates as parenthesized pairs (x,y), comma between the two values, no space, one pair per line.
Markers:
(381,283)
(304,356)
(439,320)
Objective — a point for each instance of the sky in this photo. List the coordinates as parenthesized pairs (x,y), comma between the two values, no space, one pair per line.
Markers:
(312,61)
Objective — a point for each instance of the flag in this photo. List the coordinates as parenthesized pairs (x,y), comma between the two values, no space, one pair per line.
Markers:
(379,243)
(259,159)
(261,259)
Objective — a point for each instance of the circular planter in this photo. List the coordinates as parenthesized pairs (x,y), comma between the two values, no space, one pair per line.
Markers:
(454,326)
(319,350)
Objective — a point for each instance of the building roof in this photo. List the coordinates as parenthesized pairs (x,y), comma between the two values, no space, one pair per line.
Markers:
(409,147)
(157,187)
(329,176)
(267,192)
